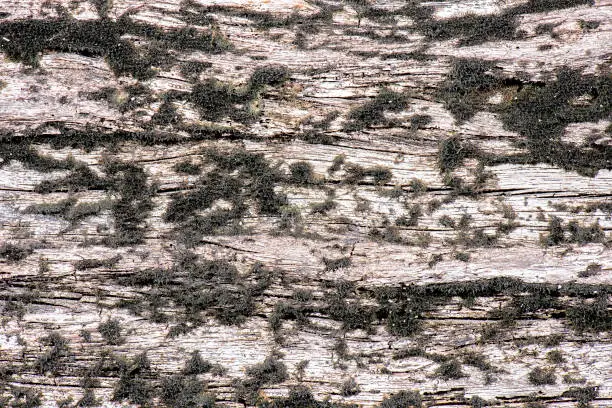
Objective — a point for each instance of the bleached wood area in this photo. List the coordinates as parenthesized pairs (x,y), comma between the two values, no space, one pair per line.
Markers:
(356,198)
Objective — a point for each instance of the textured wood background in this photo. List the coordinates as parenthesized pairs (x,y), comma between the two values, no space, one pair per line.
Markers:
(346,82)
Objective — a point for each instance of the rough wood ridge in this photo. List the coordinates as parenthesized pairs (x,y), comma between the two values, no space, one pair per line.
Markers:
(296,204)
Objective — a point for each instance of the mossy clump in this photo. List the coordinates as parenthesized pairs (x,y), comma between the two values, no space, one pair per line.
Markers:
(52,361)
(270,371)
(23,397)
(84,264)
(450,370)
(372,112)
(339,306)
(80,178)
(401,311)
(216,100)
(403,399)
(196,365)
(572,233)
(542,376)
(105,38)
(129,183)
(166,114)
(472,29)
(594,316)
(555,357)
(14,253)
(270,75)
(300,396)
(541,113)
(198,288)
(350,388)
(465,90)
(180,391)
(15,148)
(332,264)
(452,152)
(583,395)
(477,360)
(111,332)
(133,384)
(301,173)
(237,176)
(188,167)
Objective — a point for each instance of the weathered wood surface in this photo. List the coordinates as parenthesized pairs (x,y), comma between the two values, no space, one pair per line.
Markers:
(339,62)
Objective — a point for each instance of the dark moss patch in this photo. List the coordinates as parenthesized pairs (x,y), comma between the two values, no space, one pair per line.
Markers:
(53,360)
(15,148)
(452,152)
(14,253)
(24,397)
(70,35)
(191,70)
(472,29)
(542,6)
(477,360)
(403,399)
(166,115)
(465,89)
(591,270)
(572,233)
(355,173)
(555,357)
(198,289)
(350,388)
(188,167)
(337,263)
(237,176)
(589,24)
(80,178)
(111,332)
(541,114)
(300,396)
(582,395)
(301,173)
(339,306)
(450,370)
(133,384)
(592,316)
(84,264)
(372,112)
(270,371)
(542,376)
(216,100)
(134,203)
(179,391)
